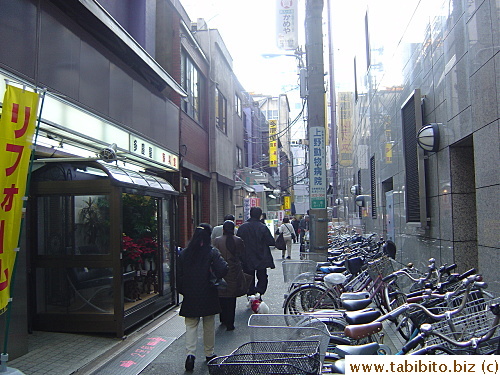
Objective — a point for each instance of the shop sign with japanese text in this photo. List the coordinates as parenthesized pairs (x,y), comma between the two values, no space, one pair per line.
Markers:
(17,126)
(287,24)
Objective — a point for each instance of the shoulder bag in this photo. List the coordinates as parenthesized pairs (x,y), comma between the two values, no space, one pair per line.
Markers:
(280,243)
(243,279)
(215,281)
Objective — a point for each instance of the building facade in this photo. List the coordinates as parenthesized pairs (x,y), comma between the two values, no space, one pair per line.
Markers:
(438,63)
(142,132)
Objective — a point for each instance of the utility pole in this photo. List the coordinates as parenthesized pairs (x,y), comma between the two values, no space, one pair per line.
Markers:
(318,220)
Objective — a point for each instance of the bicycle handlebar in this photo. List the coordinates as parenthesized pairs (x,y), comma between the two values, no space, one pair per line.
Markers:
(468,283)
(427,330)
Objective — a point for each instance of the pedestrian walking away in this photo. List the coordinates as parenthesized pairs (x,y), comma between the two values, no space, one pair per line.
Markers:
(295,225)
(217,230)
(232,250)
(304,228)
(195,266)
(258,257)
(288,235)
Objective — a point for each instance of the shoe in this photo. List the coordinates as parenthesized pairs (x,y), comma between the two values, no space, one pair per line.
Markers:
(288,257)
(230,328)
(283,257)
(190,363)
(211,357)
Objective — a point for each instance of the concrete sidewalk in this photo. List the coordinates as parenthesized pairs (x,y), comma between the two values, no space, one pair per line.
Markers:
(156,348)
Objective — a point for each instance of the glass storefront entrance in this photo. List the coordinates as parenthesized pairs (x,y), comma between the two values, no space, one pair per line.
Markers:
(102,254)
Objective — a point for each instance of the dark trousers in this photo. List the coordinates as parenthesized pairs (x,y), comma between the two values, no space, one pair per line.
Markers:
(228,308)
(261,286)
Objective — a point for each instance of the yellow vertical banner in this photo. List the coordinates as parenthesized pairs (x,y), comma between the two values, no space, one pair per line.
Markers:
(17,126)
(273,144)
(287,202)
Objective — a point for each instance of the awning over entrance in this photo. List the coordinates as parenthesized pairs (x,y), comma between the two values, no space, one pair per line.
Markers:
(87,170)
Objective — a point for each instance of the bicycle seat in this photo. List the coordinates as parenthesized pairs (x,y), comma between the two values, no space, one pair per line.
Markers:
(361,317)
(365,349)
(356,304)
(354,295)
(333,269)
(362,330)
(339,263)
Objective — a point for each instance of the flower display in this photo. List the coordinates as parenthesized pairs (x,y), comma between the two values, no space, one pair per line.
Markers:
(136,251)
(148,245)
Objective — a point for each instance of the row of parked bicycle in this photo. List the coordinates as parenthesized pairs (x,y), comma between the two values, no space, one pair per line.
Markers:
(351,301)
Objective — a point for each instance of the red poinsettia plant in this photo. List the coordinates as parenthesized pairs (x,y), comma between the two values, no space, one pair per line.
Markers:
(135,251)
(148,245)
(132,252)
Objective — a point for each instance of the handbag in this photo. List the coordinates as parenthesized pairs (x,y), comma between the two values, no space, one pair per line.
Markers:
(217,282)
(280,243)
(244,280)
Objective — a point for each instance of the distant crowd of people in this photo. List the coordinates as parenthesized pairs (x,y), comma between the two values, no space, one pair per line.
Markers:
(223,263)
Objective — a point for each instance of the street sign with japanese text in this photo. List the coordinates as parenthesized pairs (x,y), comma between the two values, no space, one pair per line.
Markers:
(317,168)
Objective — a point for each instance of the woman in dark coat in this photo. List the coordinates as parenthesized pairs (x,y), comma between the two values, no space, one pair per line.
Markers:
(201,298)
(232,250)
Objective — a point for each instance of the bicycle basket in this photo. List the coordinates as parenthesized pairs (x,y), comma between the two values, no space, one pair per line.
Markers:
(272,327)
(293,268)
(473,322)
(380,267)
(264,364)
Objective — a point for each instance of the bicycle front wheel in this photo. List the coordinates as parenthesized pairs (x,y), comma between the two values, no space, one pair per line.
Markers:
(310,298)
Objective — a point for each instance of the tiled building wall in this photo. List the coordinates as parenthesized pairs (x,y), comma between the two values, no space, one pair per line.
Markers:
(448,50)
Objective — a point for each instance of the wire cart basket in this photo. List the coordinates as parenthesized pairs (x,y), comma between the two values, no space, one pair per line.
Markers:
(272,327)
(269,357)
(473,322)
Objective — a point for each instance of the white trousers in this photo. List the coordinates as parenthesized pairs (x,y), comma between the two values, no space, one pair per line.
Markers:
(208,334)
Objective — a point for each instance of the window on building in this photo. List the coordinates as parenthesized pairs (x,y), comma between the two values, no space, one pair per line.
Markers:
(373,187)
(356,96)
(409,114)
(360,209)
(239,157)
(367,42)
(192,81)
(237,105)
(220,111)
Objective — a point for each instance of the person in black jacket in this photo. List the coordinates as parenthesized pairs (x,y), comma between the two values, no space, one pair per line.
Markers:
(257,238)
(194,267)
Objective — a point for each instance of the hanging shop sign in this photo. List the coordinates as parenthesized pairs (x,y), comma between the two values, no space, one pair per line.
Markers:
(273,144)
(287,24)
(17,126)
